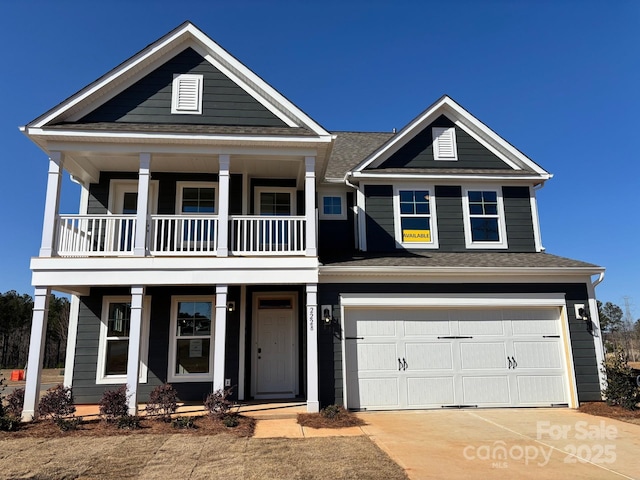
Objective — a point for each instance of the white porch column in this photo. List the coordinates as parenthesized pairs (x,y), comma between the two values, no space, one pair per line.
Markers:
(135,337)
(310,205)
(144,176)
(36,351)
(223,207)
(220,334)
(313,404)
(52,203)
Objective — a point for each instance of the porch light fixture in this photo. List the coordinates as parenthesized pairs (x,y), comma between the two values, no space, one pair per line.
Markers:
(231,306)
(326,316)
(581,314)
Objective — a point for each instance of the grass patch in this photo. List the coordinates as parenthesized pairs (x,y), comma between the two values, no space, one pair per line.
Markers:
(330,417)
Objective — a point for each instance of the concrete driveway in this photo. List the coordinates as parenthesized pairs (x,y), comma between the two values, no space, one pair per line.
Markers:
(535,443)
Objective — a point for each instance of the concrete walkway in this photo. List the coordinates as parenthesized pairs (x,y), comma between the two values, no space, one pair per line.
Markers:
(507,443)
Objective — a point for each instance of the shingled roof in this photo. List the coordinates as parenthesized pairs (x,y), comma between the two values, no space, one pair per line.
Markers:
(350,148)
(480,260)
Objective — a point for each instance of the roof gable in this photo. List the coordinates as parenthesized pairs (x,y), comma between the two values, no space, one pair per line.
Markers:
(100,95)
(498,153)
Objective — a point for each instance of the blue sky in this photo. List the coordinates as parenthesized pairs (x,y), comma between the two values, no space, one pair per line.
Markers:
(560,80)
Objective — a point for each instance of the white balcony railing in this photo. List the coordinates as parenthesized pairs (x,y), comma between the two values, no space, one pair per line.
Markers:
(252,235)
(174,235)
(95,235)
(183,235)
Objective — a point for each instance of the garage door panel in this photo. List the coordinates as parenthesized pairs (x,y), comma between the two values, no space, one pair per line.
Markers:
(486,390)
(377,328)
(429,356)
(479,322)
(483,356)
(430,391)
(425,328)
(377,357)
(537,354)
(541,389)
(379,393)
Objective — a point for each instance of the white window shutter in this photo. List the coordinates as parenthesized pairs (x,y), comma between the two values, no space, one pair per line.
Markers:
(187,94)
(444,143)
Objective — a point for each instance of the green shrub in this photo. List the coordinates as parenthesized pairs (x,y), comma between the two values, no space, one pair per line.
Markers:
(184,422)
(57,403)
(163,402)
(9,423)
(231,420)
(621,387)
(128,422)
(218,404)
(68,424)
(332,411)
(113,404)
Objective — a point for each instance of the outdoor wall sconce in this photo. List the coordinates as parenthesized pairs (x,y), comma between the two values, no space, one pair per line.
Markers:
(581,314)
(231,306)
(327,315)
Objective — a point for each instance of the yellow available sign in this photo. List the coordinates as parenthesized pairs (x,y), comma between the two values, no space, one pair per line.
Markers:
(416,235)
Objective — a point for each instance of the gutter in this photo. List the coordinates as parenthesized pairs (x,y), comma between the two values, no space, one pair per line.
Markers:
(599,280)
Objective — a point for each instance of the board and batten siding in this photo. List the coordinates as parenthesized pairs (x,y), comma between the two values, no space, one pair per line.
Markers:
(518,219)
(379,217)
(418,152)
(149,99)
(582,344)
(449,218)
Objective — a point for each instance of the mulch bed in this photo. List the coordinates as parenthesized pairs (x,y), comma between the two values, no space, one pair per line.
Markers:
(601,409)
(93,428)
(342,420)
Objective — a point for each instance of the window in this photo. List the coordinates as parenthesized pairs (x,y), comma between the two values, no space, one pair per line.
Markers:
(275,201)
(186,94)
(444,143)
(333,206)
(198,200)
(191,348)
(484,219)
(415,217)
(113,346)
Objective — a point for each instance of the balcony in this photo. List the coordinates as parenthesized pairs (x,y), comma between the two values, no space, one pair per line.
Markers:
(179,235)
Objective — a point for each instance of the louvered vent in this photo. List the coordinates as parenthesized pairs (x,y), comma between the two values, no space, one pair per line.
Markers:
(187,94)
(444,143)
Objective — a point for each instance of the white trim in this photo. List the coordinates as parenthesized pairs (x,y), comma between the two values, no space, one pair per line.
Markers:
(190,377)
(220,337)
(242,347)
(598,342)
(72,335)
(373,175)
(293,208)
(181,185)
(191,86)
(565,338)
(254,342)
(463,119)
(362,218)
(452,300)
(119,186)
(325,193)
(537,236)
(313,323)
(502,229)
(444,135)
(101,378)
(397,216)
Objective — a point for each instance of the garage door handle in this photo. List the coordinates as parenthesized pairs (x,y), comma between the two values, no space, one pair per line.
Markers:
(510,366)
(399,365)
(405,364)
(515,364)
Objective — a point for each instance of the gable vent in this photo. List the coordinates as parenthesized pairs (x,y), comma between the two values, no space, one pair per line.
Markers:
(187,94)
(444,143)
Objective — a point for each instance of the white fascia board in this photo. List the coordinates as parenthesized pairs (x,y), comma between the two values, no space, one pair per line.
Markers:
(187,137)
(453,300)
(462,118)
(454,177)
(91,272)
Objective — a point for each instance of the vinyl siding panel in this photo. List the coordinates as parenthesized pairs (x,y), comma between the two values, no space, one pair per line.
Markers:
(418,152)
(379,218)
(337,235)
(582,345)
(149,99)
(518,218)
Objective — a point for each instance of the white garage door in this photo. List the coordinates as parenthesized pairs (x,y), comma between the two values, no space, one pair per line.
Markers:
(433,358)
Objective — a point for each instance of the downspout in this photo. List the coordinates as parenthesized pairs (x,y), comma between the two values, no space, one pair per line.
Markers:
(597,337)
(356,226)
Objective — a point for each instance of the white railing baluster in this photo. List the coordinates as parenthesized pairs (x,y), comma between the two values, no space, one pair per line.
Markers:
(255,235)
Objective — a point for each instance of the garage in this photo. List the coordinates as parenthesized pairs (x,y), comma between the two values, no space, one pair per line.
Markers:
(472,354)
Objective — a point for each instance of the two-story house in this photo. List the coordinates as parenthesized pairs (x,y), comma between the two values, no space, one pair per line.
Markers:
(225,239)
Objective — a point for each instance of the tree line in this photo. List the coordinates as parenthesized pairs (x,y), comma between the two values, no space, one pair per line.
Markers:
(15,330)
(619,330)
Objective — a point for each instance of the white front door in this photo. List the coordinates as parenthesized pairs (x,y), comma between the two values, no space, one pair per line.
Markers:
(274,348)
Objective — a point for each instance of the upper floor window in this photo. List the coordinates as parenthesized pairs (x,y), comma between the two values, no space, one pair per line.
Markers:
(415,222)
(186,94)
(196,198)
(444,143)
(484,219)
(332,206)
